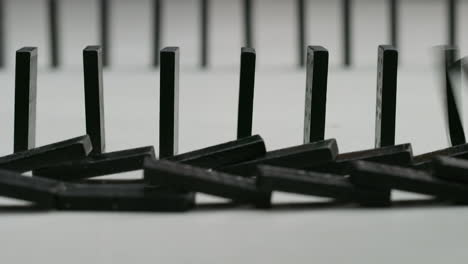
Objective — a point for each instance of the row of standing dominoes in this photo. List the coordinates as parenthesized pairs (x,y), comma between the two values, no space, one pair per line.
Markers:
(157,7)
(241,170)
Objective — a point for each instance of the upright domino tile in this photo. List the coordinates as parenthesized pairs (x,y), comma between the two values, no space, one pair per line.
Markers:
(386,96)
(25,99)
(452,7)
(94,97)
(246,93)
(301,7)
(394,21)
(452,74)
(316,94)
(169,102)
(2,33)
(347,26)
(104,19)
(248,23)
(204,29)
(54,33)
(157,27)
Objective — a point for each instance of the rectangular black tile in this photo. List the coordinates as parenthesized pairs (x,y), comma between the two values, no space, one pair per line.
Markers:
(451,169)
(297,157)
(122,197)
(33,189)
(25,99)
(424,161)
(104,34)
(98,165)
(54,33)
(246,93)
(452,75)
(401,155)
(156,30)
(94,97)
(204,29)
(186,177)
(387,70)
(347,31)
(406,179)
(248,24)
(316,94)
(318,184)
(224,154)
(71,149)
(394,21)
(169,102)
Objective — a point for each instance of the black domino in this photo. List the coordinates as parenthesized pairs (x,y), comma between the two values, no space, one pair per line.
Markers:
(104,18)
(71,149)
(407,179)
(248,33)
(297,157)
(25,99)
(169,102)
(316,94)
(122,197)
(401,155)
(346,9)
(301,30)
(424,161)
(224,154)
(37,190)
(157,27)
(94,97)
(272,178)
(386,96)
(394,18)
(246,93)
(452,73)
(451,169)
(54,33)
(452,21)
(2,33)
(204,27)
(189,178)
(98,165)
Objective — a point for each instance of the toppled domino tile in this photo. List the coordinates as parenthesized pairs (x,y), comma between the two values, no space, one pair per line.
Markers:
(98,165)
(406,179)
(297,157)
(334,186)
(393,155)
(71,149)
(424,161)
(33,189)
(224,154)
(122,197)
(132,159)
(451,169)
(185,177)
